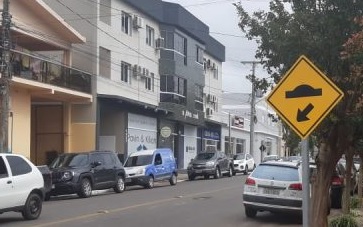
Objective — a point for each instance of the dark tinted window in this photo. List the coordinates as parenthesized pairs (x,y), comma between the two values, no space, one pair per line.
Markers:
(3,170)
(141,160)
(18,165)
(70,160)
(238,156)
(109,160)
(98,158)
(204,156)
(279,173)
(158,160)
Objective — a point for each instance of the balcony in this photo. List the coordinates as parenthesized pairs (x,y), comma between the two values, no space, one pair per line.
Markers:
(39,70)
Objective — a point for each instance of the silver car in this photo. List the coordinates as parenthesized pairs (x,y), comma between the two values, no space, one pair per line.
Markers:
(274,186)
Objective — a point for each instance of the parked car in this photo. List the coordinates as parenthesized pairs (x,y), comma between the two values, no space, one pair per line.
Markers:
(21,186)
(146,167)
(274,186)
(210,164)
(47,177)
(242,163)
(83,172)
(270,158)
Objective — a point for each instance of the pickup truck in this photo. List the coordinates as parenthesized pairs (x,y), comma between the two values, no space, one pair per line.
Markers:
(21,186)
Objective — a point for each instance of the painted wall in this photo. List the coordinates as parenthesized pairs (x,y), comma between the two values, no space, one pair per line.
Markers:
(19,134)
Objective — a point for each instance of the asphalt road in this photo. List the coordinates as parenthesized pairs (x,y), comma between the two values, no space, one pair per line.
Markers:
(201,202)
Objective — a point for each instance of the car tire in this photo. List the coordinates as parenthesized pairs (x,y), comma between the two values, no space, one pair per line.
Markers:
(191,177)
(230,172)
(246,170)
(173,179)
(120,185)
(250,212)
(217,173)
(33,207)
(150,182)
(86,188)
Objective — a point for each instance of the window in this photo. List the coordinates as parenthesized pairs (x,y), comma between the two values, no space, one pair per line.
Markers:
(150,36)
(105,62)
(240,145)
(210,145)
(105,12)
(180,46)
(97,158)
(126,22)
(199,55)
(173,89)
(271,172)
(125,72)
(158,160)
(228,147)
(3,170)
(18,165)
(199,97)
(149,82)
(215,73)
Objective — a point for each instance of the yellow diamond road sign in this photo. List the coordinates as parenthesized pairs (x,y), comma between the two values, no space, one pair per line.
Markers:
(304,97)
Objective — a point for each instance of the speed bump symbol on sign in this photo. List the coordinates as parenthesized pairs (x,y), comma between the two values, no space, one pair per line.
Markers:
(304,97)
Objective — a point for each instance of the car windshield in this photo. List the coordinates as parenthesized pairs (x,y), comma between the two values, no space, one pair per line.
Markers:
(139,160)
(70,160)
(204,156)
(238,156)
(273,172)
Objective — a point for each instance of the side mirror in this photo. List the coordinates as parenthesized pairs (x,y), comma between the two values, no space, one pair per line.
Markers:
(96,163)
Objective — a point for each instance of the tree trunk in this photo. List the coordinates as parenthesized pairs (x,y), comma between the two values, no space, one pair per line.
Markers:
(348,177)
(360,179)
(326,161)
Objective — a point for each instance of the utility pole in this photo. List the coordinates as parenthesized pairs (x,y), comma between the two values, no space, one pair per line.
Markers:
(253,110)
(229,134)
(5,70)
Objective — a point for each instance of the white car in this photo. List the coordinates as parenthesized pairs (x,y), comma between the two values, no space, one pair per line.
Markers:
(21,186)
(242,163)
(274,186)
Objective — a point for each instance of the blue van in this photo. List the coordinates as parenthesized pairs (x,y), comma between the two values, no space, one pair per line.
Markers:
(147,166)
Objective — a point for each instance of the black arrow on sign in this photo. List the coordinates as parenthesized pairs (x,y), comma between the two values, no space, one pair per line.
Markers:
(302,114)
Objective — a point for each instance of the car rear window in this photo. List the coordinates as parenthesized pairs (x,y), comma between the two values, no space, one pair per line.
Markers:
(274,172)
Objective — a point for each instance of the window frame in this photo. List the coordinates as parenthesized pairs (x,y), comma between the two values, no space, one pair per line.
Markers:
(150,36)
(126,23)
(126,72)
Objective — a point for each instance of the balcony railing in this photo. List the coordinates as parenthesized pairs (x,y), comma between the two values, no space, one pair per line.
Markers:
(36,69)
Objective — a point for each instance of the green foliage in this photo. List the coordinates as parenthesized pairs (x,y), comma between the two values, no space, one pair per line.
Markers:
(355,202)
(345,220)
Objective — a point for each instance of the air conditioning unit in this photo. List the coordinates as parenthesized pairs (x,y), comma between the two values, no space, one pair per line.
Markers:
(209,111)
(138,22)
(159,43)
(135,70)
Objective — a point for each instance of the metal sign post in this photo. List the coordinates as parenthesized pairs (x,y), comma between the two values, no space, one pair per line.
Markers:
(306,182)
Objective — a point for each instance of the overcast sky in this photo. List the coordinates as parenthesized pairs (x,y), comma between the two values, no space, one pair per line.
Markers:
(222,19)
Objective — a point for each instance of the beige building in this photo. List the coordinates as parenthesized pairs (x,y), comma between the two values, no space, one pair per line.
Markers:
(50,102)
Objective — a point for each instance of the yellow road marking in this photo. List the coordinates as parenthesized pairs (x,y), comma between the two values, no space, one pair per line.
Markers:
(85,216)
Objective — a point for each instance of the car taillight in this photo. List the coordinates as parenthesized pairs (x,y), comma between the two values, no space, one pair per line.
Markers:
(335,180)
(297,186)
(250,181)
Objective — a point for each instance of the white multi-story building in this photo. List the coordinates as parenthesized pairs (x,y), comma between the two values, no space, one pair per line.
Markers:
(267,132)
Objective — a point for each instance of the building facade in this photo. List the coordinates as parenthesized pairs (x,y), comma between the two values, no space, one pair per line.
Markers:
(237,128)
(148,56)
(45,91)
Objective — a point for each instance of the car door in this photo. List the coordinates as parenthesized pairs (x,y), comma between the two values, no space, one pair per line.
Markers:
(159,167)
(99,171)
(223,161)
(6,186)
(20,172)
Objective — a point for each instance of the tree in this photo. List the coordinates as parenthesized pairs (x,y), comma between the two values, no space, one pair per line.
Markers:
(317,29)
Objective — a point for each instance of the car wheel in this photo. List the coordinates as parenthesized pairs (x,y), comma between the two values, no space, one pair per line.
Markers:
(150,182)
(86,188)
(206,177)
(120,185)
(234,173)
(251,213)
(230,172)
(191,177)
(246,170)
(33,207)
(173,179)
(217,173)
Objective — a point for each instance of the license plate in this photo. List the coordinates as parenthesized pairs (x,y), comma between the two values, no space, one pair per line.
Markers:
(198,171)
(271,191)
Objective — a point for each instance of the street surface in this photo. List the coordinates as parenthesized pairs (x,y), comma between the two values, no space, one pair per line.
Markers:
(201,202)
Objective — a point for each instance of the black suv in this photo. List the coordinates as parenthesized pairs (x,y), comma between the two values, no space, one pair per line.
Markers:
(83,172)
(210,163)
